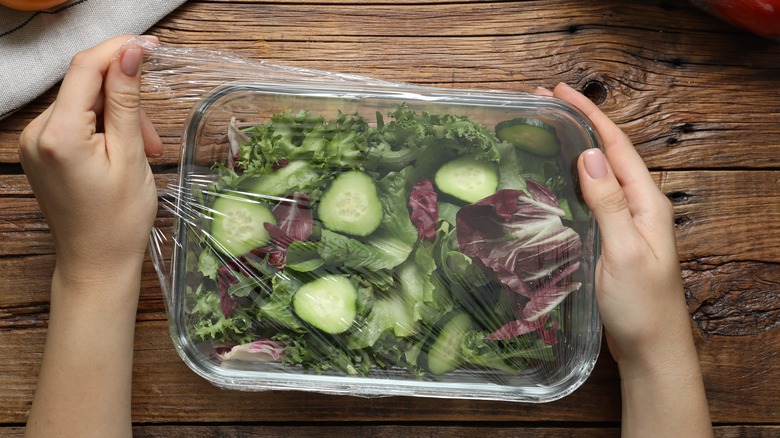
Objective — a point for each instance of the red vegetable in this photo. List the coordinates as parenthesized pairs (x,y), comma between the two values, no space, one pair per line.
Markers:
(294,221)
(520,327)
(30,5)
(262,350)
(522,240)
(761,17)
(424,211)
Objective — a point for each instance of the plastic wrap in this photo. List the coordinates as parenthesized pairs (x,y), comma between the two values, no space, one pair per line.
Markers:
(341,234)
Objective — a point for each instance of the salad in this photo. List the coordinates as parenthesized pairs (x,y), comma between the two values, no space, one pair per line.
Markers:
(422,241)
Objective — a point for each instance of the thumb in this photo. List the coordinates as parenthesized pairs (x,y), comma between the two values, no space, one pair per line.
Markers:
(122,106)
(605,197)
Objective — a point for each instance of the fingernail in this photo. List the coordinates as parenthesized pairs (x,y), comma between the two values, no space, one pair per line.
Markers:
(131,60)
(541,90)
(595,163)
(151,39)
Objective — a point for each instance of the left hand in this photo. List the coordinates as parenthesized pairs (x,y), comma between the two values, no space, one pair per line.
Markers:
(84,158)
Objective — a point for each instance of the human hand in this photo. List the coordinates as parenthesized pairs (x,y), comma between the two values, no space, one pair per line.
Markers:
(638,282)
(639,287)
(84,158)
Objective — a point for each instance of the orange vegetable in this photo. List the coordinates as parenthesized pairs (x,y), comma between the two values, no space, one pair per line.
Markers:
(761,17)
(30,5)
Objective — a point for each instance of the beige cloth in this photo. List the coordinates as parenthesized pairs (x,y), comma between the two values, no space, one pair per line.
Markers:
(36,47)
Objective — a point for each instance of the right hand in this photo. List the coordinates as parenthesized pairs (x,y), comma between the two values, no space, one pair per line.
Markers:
(638,281)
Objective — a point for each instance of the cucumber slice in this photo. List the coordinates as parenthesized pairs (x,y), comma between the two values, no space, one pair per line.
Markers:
(351,205)
(467,179)
(328,304)
(237,224)
(295,176)
(442,352)
(400,314)
(530,135)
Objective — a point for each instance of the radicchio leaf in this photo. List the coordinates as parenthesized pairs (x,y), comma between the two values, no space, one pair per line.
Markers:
(294,221)
(262,350)
(520,327)
(236,138)
(232,273)
(550,293)
(521,239)
(225,279)
(424,211)
(280,164)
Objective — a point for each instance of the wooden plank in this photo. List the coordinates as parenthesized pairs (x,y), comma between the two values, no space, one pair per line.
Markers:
(684,108)
(740,376)
(392,431)
(732,284)
(430,431)
(23,230)
(688,89)
(725,216)
(734,299)
(164,388)
(721,216)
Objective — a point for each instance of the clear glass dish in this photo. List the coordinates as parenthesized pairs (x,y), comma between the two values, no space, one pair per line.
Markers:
(418,353)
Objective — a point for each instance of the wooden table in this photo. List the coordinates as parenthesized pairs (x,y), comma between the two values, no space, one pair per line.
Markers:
(699,98)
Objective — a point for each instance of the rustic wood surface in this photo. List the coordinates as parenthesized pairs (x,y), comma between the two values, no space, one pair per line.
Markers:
(699,99)
(395,431)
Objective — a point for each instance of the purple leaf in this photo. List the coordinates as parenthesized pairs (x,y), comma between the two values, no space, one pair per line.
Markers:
(424,210)
(236,138)
(226,278)
(521,327)
(294,220)
(522,240)
(516,328)
(262,350)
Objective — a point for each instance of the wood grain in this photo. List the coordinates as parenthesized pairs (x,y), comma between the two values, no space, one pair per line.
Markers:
(392,431)
(164,391)
(657,88)
(697,96)
(430,431)
(732,286)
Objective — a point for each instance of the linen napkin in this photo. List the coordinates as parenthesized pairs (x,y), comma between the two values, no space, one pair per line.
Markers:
(36,47)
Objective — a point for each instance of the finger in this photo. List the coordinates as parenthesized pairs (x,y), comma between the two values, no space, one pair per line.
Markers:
(122,104)
(83,82)
(541,91)
(607,201)
(152,144)
(629,169)
(28,140)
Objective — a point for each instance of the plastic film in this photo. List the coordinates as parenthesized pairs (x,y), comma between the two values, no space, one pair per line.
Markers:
(342,234)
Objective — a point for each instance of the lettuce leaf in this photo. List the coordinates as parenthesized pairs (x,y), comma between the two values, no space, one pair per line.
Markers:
(279,306)
(339,250)
(390,245)
(511,355)
(210,322)
(340,142)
